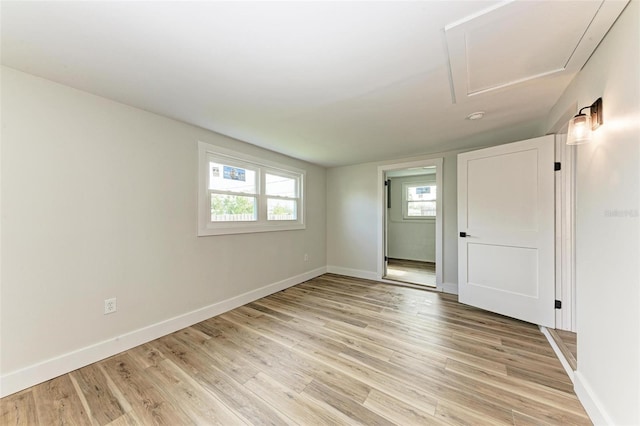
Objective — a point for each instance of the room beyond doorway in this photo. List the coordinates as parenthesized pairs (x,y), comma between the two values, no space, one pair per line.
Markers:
(411,214)
(412,271)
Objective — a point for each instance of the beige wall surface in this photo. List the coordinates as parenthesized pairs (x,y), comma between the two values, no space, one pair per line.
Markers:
(353,225)
(99,200)
(607,226)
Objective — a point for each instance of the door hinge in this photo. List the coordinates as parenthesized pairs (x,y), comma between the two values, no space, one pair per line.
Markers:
(558,304)
(557,166)
(386,258)
(387,183)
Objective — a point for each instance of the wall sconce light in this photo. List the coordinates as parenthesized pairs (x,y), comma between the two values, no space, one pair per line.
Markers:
(582,125)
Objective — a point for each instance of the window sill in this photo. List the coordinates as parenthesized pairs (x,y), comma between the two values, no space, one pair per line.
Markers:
(415,220)
(228,229)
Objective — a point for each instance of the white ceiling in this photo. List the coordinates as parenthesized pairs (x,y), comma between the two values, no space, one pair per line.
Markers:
(333,83)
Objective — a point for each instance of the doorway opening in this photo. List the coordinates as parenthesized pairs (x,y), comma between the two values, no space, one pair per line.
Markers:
(411,204)
(565,332)
(411,271)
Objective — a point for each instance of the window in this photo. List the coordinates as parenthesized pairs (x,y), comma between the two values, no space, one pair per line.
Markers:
(419,200)
(282,194)
(240,194)
(233,190)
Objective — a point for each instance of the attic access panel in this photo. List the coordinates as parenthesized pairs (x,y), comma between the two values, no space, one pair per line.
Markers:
(515,42)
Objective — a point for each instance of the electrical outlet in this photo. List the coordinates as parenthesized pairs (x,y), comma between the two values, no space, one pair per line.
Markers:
(110,306)
(306,257)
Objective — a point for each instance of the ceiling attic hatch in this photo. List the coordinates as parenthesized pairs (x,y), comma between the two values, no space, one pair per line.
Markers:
(515,42)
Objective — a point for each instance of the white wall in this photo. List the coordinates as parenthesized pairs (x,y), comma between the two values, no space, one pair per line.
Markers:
(409,239)
(99,200)
(607,227)
(352,219)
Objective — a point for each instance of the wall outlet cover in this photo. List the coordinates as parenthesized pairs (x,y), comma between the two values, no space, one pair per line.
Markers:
(110,306)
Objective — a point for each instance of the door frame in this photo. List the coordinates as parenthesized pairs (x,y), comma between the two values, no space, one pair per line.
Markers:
(382,213)
(565,233)
(565,223)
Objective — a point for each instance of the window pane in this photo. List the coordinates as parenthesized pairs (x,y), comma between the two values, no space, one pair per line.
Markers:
(223,177)
(281,209)
(423,192)
(421,208)
(232,208)
(280,186)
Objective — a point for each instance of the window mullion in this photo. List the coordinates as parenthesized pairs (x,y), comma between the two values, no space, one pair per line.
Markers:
(262,201)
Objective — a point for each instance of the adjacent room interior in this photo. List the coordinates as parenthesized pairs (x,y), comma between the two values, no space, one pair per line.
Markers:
(320,212)
(410,223)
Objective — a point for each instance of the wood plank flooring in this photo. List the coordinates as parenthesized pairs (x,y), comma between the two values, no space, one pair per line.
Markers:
(568,345)
(411,271)
(333,350)
(570,341)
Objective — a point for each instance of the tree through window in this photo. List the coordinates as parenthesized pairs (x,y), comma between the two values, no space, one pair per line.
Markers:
(239,194)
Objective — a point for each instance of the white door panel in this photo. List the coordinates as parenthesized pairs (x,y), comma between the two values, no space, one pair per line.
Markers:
(487,186)
(519,278)
(506,209)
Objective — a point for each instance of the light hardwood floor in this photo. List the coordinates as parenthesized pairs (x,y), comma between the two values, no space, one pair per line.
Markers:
(411,271)
(333,350)
(568,345)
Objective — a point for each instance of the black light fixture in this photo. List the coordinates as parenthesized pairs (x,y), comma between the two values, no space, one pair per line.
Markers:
(582,125)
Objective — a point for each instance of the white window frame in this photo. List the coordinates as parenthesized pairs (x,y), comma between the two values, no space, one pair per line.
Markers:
(405,201)
(285,174)
(236,163)
(206,227)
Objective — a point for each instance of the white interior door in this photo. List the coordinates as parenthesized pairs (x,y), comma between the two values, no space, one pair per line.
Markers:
(506,224)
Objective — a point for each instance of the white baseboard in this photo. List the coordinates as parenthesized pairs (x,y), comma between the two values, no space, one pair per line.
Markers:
(559,354)
(414,259)
(592,405)
(590,401)
(450,288)
(21,379)
(356,273)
